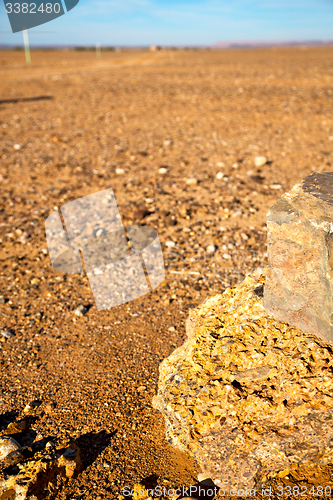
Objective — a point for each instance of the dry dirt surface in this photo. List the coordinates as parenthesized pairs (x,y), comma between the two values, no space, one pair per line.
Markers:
(175,134)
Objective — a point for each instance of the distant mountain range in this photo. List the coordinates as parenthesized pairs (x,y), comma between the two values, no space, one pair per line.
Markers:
(291,43)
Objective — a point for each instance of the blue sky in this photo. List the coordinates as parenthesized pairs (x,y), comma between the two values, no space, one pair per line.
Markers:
(185,22)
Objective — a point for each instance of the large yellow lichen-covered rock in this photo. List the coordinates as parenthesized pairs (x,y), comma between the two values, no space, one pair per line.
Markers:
(246,394)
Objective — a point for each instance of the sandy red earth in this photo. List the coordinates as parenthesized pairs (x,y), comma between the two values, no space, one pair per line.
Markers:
(72,125)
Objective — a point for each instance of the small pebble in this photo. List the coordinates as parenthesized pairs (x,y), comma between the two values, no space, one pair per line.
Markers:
(211,249)
(162,170)
(170,244)
(81,311)
(219,175)
(30,406)
(8,334)
(202,476)
(49,407)
(259,161)
(2,299)
(191,182)
(17,146)
(120,171)
(141,388)
(141,213)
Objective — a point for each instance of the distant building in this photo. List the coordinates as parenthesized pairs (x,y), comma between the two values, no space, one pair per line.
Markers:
(154,48)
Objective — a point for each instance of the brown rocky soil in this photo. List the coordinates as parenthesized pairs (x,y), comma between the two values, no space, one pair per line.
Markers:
(73,125)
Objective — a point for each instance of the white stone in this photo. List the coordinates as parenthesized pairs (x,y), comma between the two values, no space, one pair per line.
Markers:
(170,244)
(162,170)
(120,171)
(17,146)
(259,161)
(191,182)
(219,175)
(7,445)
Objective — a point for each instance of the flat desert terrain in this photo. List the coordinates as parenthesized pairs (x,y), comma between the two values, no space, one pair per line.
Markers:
(177,135)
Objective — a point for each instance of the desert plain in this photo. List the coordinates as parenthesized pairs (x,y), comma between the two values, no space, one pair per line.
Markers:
(197,144)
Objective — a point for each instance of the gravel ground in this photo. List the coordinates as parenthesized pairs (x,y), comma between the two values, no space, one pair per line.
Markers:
(178,136)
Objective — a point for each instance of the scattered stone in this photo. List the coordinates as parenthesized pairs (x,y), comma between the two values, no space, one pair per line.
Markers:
(120,171)
(141,388)
(211,249)
(220,164)
(8,334)
(238,394)
(81,311)
(257,178)
(32,405)
(259,161)
(18,426)
(219,175)
(172,221)
(191,182)
(162,170)
(7,446)
(141,213)
(17,146)
(202,477)
(170,244)
(299,283)
(49,407)
(70,460)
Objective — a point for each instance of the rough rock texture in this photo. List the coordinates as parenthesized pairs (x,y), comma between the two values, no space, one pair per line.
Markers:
(247,395)
(30,472)
(299,282)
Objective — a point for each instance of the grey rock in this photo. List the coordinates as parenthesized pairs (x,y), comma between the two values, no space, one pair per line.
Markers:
(7,446)
(299,280)
(8,334)
(81,311)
